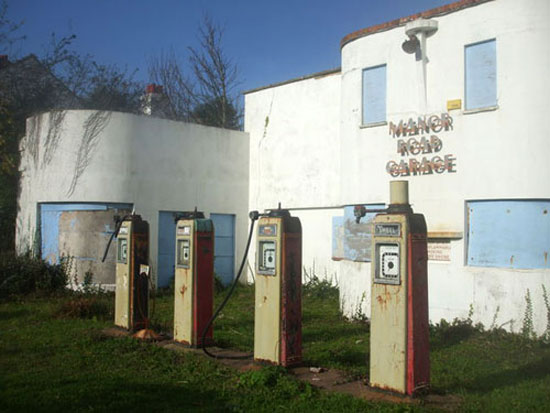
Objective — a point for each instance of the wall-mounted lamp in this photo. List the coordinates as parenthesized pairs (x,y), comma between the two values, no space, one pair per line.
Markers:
(411,46)
(418,31)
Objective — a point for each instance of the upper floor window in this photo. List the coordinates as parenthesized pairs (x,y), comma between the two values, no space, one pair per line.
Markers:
(480,75)
(374,95)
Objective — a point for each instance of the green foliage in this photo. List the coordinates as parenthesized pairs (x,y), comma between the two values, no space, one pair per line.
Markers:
(546,336)
(86,306)
(315,287)
(217,112)
(67,363)
(218,285)
(276,382)
(9,176)
(445,333)
(527,329)
(23,274)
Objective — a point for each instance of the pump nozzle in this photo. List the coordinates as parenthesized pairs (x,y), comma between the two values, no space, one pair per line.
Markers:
(254,215)
(359,211)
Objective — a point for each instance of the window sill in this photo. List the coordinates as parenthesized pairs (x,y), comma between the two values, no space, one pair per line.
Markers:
(478,110)
(373,125)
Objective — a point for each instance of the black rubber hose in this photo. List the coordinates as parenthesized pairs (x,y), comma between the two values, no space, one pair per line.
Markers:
(253,217)
(114,234)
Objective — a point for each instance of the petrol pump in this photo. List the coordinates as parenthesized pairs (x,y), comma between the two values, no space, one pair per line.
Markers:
(132,273)
(399,335)
(194,279)
(278,284)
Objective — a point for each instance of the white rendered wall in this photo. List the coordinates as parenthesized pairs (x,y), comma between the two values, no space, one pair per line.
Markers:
(154,164)
(294,160)
(501,154)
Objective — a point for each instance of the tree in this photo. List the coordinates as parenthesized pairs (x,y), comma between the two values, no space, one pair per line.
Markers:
(208,94)
(216,77)
(10,131)
(8,29)
(166,70)
(97,86)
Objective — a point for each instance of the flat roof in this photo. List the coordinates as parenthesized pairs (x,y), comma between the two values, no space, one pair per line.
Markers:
(296,79)
(438,11)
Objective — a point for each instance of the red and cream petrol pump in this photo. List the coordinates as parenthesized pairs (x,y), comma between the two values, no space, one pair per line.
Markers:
(399,334)
(132,272)
(278,285)
(194,278)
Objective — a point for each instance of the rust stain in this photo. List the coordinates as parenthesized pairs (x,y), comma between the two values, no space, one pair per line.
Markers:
(183,290)
(265,299)
(384,298)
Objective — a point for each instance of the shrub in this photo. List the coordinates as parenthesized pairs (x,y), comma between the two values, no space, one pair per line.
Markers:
(23,274)
(316,288)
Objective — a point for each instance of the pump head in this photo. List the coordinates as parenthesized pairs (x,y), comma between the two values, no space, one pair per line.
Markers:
(359,211)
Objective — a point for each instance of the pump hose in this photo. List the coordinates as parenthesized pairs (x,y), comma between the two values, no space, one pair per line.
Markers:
(253,217)
(114,234)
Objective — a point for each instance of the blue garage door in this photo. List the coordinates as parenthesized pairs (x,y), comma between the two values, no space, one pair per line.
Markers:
(224,246)
(49,224)
(166,247)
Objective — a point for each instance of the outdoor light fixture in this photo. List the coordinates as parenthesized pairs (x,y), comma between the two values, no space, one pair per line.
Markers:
(418,31)
(411,46)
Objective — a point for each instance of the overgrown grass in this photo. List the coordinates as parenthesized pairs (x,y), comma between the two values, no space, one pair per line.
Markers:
(54,359)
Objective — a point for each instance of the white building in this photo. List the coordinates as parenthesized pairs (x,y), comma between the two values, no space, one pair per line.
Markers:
(454,100)
(79,168)
(463,123)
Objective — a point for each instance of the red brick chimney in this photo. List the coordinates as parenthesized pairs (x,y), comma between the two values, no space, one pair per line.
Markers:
(155,102)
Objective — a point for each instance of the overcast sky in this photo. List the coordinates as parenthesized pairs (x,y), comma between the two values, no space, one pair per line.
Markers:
(270,41)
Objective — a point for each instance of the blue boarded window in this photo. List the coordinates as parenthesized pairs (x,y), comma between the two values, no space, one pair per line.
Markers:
(374,95)
(480,75)
(509,234)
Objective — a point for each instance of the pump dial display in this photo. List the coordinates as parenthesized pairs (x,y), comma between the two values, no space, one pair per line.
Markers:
(122,250)
(184,253)
(387,264)
(267,258)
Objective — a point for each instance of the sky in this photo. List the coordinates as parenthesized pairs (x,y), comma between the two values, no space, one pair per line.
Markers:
(269,41)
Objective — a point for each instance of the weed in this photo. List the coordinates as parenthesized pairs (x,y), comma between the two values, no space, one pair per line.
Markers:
(546,335)
(494,322)
(527,330)
(81,306)
(218,285)
(445,333)
(317,288)
(358,314)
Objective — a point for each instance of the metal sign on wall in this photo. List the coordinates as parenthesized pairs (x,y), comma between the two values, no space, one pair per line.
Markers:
(352,241)
(420,148)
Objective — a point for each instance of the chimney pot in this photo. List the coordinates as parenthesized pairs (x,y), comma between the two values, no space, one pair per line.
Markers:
(153,88)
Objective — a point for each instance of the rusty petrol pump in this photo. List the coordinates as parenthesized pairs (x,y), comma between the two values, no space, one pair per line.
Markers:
(132,272)
(278,289)
(399,334)
(194,279)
